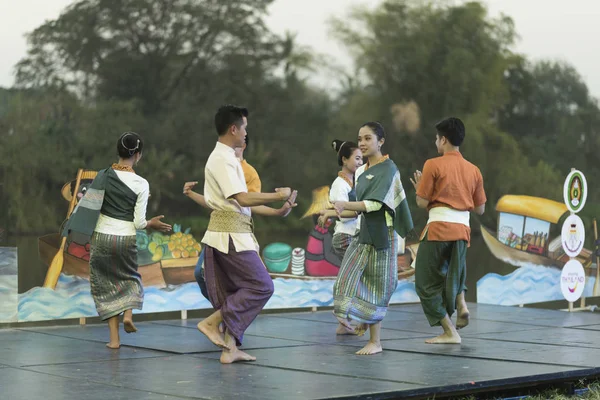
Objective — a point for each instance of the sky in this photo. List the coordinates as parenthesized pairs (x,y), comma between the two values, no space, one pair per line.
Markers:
(548,29)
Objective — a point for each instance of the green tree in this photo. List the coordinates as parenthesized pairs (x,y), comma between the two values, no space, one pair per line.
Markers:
(143,49)
(46,137)
(553,116)
(171,63)
(527,124)
(449,60)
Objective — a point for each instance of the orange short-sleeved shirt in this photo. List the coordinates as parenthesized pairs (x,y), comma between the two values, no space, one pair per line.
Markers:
(252,179)
(451,181)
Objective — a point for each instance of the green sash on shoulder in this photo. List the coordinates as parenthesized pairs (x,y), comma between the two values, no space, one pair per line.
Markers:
(382,183)
(84,218)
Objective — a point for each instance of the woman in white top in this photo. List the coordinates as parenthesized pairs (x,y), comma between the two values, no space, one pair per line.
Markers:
(111,211)
(342,189)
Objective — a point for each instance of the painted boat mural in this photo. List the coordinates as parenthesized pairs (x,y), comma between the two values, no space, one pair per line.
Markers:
(523,233)
(170,259)
(532,260)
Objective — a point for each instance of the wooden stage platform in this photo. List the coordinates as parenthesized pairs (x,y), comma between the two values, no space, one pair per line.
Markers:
(300,357)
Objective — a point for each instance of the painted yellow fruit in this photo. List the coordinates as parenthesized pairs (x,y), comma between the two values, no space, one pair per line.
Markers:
(158,254)
(171,246)
(185,254)
(152,247)
(198,247)
(176,254)
(194,253)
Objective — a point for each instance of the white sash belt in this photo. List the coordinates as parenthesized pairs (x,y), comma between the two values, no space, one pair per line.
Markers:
(445,214)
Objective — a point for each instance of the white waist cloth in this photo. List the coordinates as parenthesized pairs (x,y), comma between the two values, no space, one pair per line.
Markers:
(115,227)
(445,214)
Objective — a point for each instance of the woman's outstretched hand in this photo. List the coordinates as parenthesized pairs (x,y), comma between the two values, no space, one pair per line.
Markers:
(156,224)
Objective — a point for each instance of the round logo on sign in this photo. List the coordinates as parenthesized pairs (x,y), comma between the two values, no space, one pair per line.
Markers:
(572,236)
(572,280)
(575,191)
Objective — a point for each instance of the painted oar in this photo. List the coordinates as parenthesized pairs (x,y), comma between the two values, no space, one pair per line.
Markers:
(56,265)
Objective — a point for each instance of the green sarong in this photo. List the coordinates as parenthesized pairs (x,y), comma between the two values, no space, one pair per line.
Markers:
(440,276)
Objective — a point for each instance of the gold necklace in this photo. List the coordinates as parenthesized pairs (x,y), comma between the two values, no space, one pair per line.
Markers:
(382,159)
(121,167)
(345,178)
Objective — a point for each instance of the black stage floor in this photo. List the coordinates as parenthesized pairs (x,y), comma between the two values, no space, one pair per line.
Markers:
(300,357)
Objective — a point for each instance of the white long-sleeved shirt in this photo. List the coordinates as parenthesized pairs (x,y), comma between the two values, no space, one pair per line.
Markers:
(117,227)
(339,191)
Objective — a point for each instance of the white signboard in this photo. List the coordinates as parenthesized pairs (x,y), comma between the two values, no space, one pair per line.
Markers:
(573,236)
(572,280)
(575,191)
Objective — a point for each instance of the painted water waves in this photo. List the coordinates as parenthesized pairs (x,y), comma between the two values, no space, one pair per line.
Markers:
(528,284)
(72,298)
(9,283)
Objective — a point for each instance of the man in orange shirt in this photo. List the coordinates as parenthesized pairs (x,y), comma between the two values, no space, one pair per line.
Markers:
(449,188)
(252,179)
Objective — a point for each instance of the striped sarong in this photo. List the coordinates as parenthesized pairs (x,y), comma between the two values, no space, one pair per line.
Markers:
(115,283)
(366,281)
(340,243)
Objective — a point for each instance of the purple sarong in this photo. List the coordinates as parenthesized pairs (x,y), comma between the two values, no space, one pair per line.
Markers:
(239,285)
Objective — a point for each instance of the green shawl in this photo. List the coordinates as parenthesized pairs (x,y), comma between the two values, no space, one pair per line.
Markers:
(382,183)
(84,218)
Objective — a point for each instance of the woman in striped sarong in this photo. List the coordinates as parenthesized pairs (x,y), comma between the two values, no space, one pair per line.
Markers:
(342,189)
(111,211)
(369,272)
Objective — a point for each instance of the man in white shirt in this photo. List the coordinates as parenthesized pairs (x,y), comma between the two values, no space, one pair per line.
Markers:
(238,283)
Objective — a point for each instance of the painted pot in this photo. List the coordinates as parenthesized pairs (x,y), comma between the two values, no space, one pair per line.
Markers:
(277,256)
(298,257)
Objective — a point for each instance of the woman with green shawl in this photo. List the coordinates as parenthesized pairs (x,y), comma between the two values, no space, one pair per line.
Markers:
(369,273)
(111,211)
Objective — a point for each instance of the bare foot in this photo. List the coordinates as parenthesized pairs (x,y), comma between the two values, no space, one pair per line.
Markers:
(462,320)
(345,323)
(228,357)
(212,333)
(129,326)
(342,330)
(113,346)
(445,339)
(370,348)
(361,329)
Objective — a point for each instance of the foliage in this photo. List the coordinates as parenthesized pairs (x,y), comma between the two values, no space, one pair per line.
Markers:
(161,68)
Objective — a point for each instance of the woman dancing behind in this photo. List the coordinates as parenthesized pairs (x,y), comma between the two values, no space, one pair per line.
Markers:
(369,273)
(111,211)
(342,189)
